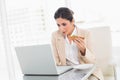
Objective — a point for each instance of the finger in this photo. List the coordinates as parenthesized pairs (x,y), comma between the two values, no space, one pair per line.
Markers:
(79,40)
(80,46)
(81,37)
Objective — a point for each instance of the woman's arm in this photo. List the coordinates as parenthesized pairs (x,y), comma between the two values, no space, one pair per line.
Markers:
(89,56)
(84,48)
(56,56)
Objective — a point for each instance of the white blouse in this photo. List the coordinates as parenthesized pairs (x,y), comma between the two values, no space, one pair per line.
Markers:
(71,50)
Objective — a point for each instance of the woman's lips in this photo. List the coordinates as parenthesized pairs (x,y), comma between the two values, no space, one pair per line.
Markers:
(64,33)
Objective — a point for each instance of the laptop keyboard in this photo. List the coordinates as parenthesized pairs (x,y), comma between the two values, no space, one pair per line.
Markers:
(61,69)
(75,75)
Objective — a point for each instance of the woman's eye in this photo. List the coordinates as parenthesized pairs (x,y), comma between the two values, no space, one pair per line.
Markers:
(64,24)
(58,25)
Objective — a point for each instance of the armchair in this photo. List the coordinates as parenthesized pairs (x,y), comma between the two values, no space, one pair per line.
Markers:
(101,46)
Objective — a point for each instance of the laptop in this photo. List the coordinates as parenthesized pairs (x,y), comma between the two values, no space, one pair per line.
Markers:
(38,60)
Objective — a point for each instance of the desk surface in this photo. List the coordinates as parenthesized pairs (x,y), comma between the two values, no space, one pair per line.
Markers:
(74,74)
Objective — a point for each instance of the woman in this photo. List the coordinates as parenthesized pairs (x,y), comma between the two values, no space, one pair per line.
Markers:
(71,44)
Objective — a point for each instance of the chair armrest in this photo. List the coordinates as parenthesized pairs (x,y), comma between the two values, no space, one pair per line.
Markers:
(109,70)
(116,72)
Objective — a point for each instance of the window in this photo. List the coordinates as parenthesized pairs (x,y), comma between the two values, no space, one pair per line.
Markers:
(29,22)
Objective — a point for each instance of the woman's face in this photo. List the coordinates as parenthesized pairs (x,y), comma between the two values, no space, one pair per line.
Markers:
(65,26)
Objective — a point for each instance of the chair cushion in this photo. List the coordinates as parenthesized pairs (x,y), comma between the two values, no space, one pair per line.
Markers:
(108,71)
(109,78)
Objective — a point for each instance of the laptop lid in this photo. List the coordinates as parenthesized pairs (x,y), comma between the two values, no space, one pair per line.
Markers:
(36,60)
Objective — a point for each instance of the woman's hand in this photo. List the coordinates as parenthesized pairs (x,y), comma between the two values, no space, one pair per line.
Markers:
(81,44)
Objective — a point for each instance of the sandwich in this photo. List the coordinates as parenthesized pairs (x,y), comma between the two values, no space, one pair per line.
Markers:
(73,37)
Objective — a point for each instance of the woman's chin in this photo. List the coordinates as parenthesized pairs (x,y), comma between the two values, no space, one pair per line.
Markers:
(64,34)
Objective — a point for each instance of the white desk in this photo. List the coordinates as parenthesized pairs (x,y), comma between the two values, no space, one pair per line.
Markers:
(74,74)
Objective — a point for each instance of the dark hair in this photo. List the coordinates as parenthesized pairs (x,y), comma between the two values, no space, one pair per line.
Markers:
(64,13)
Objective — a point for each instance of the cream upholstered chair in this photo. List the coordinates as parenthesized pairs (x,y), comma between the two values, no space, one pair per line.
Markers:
(101,45)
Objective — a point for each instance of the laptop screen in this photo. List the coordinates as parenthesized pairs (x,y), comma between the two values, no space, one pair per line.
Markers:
(36,59)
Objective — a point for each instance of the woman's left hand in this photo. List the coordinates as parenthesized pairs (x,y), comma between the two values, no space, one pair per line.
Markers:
(81,44)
